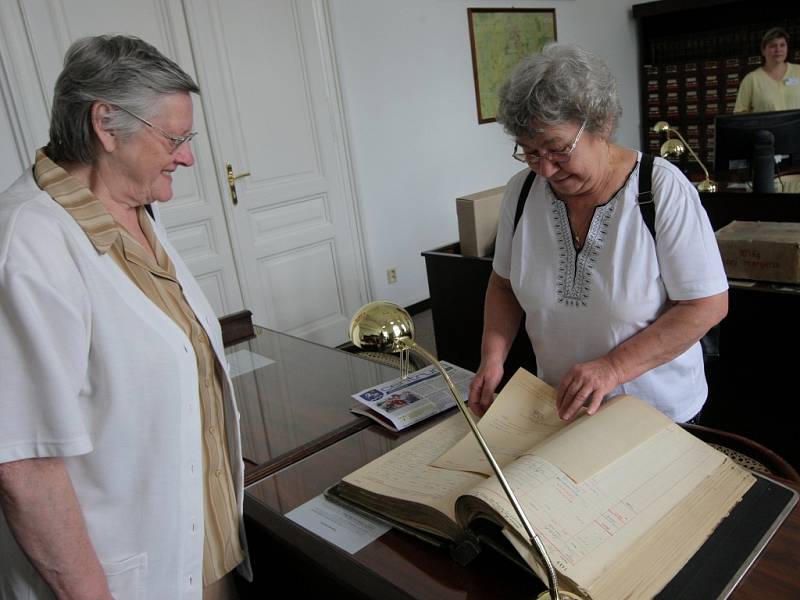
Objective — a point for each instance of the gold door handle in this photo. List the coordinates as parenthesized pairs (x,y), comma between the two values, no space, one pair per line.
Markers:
(232,181)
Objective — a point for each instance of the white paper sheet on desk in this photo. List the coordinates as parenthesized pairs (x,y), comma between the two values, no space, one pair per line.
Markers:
(338,525)
(244,361)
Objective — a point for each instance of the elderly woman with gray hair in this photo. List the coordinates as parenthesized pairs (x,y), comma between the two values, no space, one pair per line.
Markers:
(608,308)
(120,461)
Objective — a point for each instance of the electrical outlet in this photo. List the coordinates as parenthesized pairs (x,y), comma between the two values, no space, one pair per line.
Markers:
(391,275)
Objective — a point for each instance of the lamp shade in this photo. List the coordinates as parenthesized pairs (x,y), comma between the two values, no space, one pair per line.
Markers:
(382,326)
(672,148)
(661,127)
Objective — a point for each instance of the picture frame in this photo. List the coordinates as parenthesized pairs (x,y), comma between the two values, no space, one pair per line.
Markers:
(499,39)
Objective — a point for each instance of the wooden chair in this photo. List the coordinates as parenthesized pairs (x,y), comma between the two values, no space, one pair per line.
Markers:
(745,452)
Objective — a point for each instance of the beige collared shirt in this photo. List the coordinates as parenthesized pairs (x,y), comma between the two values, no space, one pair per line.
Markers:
(222,550)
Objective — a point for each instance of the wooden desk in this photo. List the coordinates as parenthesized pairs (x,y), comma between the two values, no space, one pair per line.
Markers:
(754,377)
(299,402)
(398,566)
(457,286)
(724,207)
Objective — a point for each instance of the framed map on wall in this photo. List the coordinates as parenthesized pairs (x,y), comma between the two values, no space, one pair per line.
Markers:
(500,38)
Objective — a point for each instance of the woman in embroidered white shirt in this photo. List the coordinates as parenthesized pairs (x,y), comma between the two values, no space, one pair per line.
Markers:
(775,85)
(607,309)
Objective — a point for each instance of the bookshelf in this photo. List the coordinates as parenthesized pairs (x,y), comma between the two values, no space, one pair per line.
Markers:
(693,56)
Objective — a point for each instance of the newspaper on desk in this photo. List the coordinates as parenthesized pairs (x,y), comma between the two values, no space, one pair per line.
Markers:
(400,403)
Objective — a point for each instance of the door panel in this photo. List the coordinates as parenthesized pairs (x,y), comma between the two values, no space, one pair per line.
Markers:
(297,297)
(297,244)
(277,107)
(11,167)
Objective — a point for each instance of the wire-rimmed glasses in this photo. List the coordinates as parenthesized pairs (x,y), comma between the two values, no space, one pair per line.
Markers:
(175,141)
(556,156)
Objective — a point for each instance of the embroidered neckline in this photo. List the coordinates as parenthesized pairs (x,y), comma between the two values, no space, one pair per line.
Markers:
(575,267)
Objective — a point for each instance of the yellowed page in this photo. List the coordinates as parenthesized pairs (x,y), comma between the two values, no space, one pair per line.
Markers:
(522,415)
(661,553)
(405,472)
(586,527)
(621,426)
(656,557)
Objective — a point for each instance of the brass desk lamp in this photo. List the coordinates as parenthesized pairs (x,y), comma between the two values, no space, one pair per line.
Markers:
(386,327)
(673,148)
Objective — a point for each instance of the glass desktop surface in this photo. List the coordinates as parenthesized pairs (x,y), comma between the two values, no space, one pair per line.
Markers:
(293,393)
(396,565)
(400,566)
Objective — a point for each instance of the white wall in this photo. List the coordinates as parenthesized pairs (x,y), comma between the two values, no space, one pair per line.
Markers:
(11,165)
(406,75)
(407,85)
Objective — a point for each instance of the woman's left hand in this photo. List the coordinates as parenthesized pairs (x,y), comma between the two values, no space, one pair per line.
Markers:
(585,384)
(674,332)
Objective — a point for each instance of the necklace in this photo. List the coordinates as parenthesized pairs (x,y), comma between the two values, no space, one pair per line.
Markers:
(578,229)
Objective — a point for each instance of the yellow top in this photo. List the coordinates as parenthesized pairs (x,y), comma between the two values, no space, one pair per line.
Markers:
(759,92)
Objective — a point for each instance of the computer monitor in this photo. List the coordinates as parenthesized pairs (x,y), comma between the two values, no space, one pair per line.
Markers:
(737,137)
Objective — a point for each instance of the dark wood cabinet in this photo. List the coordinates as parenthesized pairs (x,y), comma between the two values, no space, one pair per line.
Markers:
(692,57)
(457,287)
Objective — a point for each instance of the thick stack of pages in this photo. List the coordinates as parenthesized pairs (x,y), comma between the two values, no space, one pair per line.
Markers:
(621,500)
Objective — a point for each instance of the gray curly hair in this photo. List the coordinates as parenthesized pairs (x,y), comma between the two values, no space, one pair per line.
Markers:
(122,70)
(564,83)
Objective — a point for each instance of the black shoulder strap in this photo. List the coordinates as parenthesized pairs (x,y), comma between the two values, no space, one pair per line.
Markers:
(523,196)
(645,199)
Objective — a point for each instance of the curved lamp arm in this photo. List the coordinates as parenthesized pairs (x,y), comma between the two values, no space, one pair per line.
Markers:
(533,539)
(663,127)
(386,327)
(689,148)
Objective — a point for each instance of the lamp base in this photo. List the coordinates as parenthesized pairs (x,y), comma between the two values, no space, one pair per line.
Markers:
(707,186)
(545,595)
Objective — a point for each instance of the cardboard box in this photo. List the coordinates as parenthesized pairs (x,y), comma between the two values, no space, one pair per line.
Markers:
(760,250)
(477,221)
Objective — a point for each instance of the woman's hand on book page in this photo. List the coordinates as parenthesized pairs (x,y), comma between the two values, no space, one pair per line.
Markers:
(585,384)
(482,387)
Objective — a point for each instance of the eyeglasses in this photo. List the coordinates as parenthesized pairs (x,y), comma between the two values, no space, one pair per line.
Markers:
(175,141)
(557,156)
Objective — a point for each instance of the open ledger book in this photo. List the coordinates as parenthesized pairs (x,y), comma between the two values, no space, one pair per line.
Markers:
(621,500)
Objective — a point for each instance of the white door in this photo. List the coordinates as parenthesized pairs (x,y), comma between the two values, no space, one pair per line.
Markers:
(290,250)
(271,97)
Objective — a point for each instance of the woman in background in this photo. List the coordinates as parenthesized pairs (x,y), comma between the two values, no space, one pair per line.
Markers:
(775,85)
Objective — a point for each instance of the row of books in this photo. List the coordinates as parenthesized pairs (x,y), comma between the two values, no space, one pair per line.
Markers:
(705,82)
(700,135)
(694,90)
(705,67)
(679,111)
(721,42)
